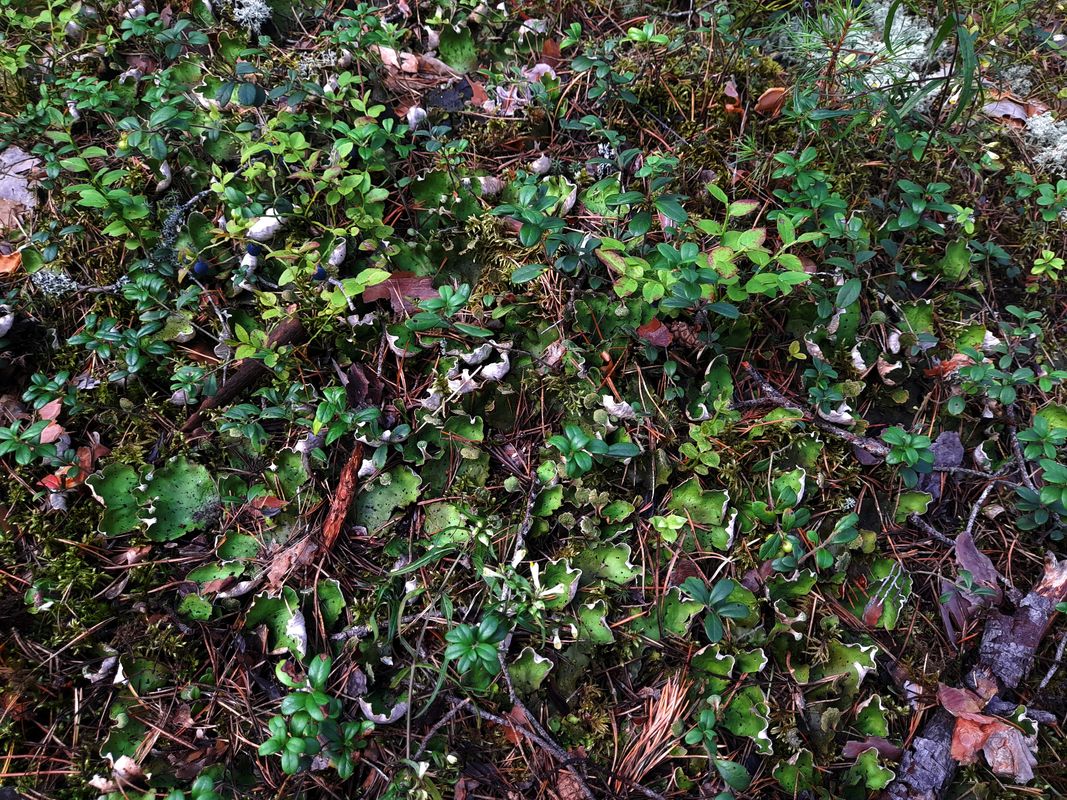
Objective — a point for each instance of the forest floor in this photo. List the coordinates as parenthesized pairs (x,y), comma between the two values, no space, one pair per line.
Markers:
(579,400)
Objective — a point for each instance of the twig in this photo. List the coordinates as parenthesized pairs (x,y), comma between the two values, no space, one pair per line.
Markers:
(929,529)
(1016,448)
(1060,648)
(978,507)
(872,446)
(437,726)
(546,743)
(250,371)
(363,631)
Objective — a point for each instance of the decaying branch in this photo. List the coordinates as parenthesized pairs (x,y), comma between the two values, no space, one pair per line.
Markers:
(872,446)
(342,498)
(1006,654)
(249,372)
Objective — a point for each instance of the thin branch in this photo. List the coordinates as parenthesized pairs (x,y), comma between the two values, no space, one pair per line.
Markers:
(929,529)
(437,726)
(1016,448)
(872,446)
(1060,648)
(978,507)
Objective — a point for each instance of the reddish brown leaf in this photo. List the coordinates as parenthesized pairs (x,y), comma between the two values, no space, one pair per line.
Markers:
(52,433)
(518,717)
(51,410)
(975,561)
(464,785)
(771,101)
(960,702)
(550,53)
(400,288)
(656,333)
(10,262)
(478,96)
(948,367)
(885,748)
(87,457)
(970,736)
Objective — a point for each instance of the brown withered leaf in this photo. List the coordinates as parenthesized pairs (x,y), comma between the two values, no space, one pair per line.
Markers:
(478,96)
(518,717)
(872,612)
(733,99)
(10,262)
(400,288)
(771,101)
(87,456)
(550,53)
(656,333)
(970,558)
(961,703)
(286,561)
(51,410)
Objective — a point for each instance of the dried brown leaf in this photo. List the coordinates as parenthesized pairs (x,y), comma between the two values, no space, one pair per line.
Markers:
(960,702)
(970,558)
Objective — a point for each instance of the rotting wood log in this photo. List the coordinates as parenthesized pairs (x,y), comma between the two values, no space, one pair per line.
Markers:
(1009,645)
(248,372)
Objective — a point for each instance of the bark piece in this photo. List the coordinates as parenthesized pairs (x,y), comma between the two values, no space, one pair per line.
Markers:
(1005,655)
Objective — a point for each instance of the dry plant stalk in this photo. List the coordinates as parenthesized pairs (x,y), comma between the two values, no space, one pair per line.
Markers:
(656,739)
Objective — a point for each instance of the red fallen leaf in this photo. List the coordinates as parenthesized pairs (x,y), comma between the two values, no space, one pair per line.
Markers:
(52,433)
(518,717)
(86,456)
(885,748)
(401,287)
(268,505)
(9,263)
(771,101)
(656,333)
(946,368)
